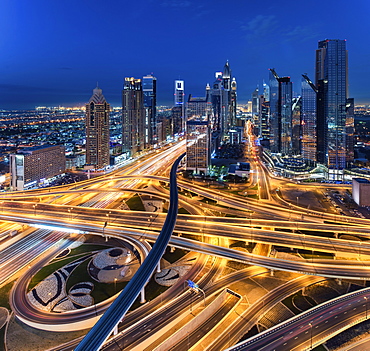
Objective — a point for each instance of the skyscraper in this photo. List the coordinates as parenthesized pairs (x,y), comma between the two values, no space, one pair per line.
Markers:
(133,116)
(296,125)
(309,141)
(97,130)
(180,105)
(280,114)
(224,100)
(150,104)
(331,82)
(198,134)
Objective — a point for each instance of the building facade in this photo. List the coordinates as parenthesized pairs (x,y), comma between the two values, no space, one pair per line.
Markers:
(33,166)
(179,106)
(331,81)
(150,103)
(309,135)
(198,133)
(97,130)
(280,114)
(224,101)
(361,191)
(134,116)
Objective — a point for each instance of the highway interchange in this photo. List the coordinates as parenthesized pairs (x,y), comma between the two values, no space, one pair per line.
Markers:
(270,221)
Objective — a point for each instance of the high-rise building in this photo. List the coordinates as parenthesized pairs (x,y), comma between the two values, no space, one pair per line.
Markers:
(133,116)
(150,104)
(97,130)
(296,125)
(198,133)
(331,81)
(224,100)
(350,129)
(33,166)
(263,118)
(280,114)
(180,102)
(309,134)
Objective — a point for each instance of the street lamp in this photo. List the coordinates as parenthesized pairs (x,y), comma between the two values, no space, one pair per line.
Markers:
(108,215)
(310,324)
(34,207)
(365,306)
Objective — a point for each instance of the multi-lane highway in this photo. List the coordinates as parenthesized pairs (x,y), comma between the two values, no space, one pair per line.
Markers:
(80,207)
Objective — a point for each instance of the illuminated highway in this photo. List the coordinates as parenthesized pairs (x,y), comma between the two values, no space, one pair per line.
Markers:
(270,220)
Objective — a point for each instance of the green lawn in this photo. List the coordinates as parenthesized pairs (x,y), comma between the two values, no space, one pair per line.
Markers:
(174,256)
(135,203)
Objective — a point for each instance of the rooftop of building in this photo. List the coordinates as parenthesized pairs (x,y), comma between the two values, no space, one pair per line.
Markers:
(361,180)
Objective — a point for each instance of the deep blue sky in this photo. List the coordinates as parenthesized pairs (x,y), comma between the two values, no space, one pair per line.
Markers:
(54,51)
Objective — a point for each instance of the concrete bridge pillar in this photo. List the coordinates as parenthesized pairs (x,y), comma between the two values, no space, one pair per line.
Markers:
(271,272)
(142,295)
(115,330)
(159,267)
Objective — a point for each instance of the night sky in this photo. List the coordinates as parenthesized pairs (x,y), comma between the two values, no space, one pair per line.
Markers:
(53,52)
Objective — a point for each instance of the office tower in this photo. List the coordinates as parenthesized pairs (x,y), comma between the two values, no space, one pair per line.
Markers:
(150,104)
(280,114)
(198,140)
(97,130)
(133,116)
(224,100)
(199,108)
(309,125)
(255,108)
(180,102)
(177,118)
(233,102)
(197,146)
(350,128)
(33,166)
(263,118)
(296,125)
(179,92)
(217,105)
(331,81)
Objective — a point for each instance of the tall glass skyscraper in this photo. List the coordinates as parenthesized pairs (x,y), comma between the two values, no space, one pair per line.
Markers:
(309,142)
(97,130)
(150,103)
(331,81)
(133,116)
(280,114)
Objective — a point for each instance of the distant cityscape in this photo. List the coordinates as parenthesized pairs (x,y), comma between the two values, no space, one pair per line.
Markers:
(318,135)
(207,224)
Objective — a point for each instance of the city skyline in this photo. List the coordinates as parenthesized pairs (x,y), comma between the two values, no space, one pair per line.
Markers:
(47,57)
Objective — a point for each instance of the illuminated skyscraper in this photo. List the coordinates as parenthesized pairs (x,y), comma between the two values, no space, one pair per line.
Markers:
(150,104)
(198,141)
(280,114)
(331,82)
(97,130)
(224,100)
(180,105)
(133,116)
(309,134)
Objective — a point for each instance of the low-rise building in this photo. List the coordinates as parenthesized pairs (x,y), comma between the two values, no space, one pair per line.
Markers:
(32,166)
(361,191)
